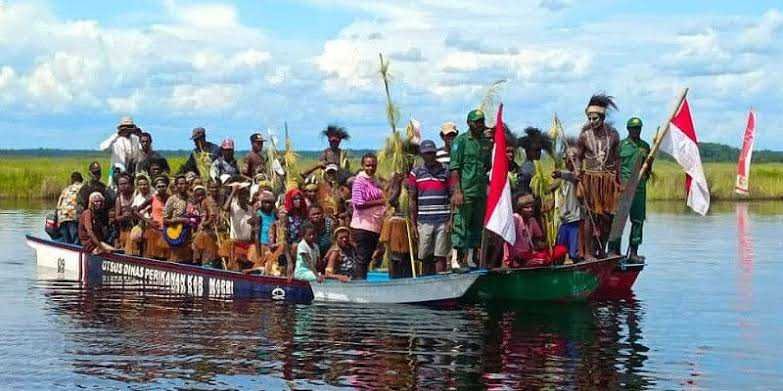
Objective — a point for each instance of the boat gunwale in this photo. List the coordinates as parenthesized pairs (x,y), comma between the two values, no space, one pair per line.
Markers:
(573,266)
(178,267)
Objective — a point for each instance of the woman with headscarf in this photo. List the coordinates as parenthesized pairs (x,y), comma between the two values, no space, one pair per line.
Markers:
(287,229)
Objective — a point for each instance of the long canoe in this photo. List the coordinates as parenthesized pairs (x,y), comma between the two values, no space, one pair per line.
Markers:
(575,282)
(379,288)
(75,264)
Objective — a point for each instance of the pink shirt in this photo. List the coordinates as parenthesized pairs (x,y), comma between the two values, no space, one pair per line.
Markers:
(526,231)
(366,189)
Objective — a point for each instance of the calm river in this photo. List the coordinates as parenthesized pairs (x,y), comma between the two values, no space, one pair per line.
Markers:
(707,314)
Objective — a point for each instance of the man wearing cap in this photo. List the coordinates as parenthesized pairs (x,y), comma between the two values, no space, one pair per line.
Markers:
(631,149)
(470,162)
(429,209)
(199,137)
(125,146)
(148,155)
(255,161)
(448,131)
(225,166)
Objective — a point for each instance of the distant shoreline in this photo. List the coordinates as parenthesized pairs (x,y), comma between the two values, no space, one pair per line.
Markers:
(42,177)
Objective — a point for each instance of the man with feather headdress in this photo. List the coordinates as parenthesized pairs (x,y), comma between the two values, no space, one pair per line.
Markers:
(598,159)
(335,135)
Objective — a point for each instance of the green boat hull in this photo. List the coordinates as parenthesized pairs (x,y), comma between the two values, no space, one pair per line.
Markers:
(546,283)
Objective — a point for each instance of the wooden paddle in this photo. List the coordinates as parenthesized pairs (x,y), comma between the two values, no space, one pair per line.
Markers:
(623,207)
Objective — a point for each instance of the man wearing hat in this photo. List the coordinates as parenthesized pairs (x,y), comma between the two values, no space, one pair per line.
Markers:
(125,146)
(255,161)
(633,148)
(225,166)
(448,132)
(199,137)
(470,161)
(429,209)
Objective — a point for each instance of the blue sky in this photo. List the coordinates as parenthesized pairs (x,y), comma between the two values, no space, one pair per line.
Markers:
(69,70)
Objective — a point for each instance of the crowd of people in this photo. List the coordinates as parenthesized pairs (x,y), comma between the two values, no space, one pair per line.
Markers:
(332,222)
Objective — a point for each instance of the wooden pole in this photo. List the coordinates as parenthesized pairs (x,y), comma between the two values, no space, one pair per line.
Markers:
(626,198)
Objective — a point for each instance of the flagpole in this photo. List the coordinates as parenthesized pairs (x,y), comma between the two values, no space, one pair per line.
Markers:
(664,129)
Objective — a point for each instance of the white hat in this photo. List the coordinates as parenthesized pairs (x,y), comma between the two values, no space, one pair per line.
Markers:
(126,121)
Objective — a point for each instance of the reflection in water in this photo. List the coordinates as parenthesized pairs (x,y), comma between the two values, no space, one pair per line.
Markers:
(121,333)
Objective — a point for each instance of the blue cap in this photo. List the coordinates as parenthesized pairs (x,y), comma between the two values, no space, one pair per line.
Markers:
(427,146)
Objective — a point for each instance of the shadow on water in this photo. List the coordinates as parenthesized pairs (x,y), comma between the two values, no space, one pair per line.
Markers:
(120,333)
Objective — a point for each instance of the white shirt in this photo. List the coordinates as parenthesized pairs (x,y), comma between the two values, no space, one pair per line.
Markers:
(124,150)
(238,221)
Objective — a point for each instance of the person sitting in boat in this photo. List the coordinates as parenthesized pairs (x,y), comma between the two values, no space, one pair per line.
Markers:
(91,228)
(67,210)
(324,227)
(308,255)
(430,212)
(341,258)
(176,222)
(529,248)
(240,215)
(335,135)
(123,212)
(203,212)
(569,205)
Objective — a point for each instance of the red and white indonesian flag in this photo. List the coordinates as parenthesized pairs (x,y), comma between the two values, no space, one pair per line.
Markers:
(499,215)
(743,166)
(681,142)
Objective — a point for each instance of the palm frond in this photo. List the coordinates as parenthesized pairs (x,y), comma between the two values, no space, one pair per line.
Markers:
(392,111)
(491,95)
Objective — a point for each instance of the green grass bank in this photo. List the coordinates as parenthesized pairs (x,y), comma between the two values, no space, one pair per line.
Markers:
(42,177)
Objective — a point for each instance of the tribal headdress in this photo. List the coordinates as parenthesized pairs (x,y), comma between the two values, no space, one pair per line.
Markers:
(535,138)
(600,103)
(338,131)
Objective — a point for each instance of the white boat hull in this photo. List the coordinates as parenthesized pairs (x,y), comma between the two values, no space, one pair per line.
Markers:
(442,287)
(66,260)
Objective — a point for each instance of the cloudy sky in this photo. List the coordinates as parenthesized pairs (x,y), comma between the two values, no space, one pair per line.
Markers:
(69,70)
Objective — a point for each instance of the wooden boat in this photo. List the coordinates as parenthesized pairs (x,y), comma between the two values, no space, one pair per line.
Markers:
(620,280)
(574,282)
(379,288)
(75,264)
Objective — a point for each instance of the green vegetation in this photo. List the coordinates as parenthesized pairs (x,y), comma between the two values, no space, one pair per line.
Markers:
(43,177)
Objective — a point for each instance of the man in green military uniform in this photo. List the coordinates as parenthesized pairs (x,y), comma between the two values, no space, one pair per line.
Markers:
(631,149)
(470,161)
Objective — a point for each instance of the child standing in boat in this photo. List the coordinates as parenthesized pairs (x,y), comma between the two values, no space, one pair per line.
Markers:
(307,255)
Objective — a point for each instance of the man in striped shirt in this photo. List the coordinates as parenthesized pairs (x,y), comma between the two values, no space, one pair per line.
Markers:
(448,132)
(430,209)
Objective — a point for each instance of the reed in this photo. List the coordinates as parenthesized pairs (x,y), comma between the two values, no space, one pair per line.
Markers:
(42,177)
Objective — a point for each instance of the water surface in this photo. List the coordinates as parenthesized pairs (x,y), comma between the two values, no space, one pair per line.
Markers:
(705,314)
